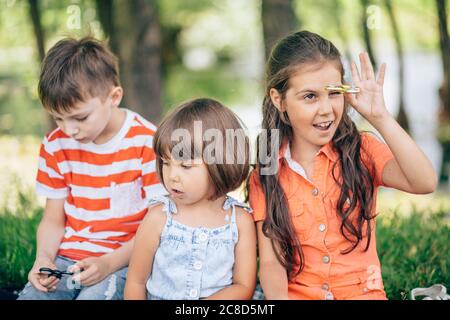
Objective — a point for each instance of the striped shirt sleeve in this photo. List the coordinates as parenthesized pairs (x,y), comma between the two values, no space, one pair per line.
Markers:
(150,181)
(49,181)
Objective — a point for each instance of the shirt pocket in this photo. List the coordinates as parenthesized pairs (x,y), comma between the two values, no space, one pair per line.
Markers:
(126,198)
(301,219)
(362,283)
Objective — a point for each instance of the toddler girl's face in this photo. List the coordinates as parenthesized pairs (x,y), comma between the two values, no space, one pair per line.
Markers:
(187,181)
(313,111)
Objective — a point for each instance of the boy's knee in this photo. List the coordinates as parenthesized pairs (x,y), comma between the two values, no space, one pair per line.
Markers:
(31,293)
(111,288)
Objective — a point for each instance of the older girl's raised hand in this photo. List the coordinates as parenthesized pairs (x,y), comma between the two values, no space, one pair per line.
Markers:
(369,102)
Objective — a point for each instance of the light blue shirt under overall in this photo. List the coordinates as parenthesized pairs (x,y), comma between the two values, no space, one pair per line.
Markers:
(192,263)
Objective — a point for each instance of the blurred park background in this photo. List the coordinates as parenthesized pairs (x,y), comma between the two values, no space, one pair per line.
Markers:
(173,50)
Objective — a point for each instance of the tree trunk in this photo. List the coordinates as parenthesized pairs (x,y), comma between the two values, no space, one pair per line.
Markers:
(366,33)
(401,116)
(105,10)
(278,20)
(37,27)
(35,16)
(444,91)
(134,33)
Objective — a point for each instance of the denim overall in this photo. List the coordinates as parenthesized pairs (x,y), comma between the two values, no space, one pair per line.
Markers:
(192,263)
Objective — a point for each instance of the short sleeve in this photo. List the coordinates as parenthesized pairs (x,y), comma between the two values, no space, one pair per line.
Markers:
(150,181)
(50,182)
(375,155)
(256,197)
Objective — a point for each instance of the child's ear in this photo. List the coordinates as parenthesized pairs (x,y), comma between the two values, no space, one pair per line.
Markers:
(116,96)
(277,100)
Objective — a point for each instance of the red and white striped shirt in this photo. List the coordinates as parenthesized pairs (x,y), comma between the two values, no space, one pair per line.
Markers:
(106,187)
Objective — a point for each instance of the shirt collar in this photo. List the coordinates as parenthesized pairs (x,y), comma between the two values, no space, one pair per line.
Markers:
(327,150)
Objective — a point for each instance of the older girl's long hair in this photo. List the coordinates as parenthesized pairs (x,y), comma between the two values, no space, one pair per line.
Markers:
(354,180)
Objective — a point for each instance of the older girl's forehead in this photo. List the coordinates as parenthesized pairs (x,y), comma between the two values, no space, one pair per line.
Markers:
(316,78)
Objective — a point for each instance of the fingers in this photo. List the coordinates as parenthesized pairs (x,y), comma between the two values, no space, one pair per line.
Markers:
(350,98)
(41,281)
(368,67)
(355,74)
(381,73)
(34,280)
(362,66)
(86,276)
(51,284)
(77,267)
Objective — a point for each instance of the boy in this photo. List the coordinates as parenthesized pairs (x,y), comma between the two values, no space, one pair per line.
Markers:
(97,171)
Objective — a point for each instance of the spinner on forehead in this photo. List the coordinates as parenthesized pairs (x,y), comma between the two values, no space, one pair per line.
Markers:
(345,88)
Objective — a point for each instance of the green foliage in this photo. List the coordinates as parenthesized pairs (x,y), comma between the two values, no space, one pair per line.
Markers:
(219,83)
(414,251)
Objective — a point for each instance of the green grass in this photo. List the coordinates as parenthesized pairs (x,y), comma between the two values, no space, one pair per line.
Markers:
(414,251)
(18,241)
(413,248)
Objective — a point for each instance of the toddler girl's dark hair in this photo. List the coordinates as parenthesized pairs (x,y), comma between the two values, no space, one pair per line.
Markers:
(354,178)
(223,144)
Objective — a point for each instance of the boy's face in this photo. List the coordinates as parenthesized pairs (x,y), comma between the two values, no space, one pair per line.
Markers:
(93,120)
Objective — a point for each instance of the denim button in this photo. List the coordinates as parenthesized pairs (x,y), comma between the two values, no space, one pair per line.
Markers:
(315,192)
(193,293)
(198,265)
(203,236)
(326,259)
(329,296)
(322,227)
(325,287)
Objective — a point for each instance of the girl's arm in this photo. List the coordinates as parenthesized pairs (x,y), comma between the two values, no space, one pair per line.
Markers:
(272,275)
(244,271)
(146,243)
(410,170)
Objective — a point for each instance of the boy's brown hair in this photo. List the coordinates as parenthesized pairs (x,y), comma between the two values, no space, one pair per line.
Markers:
(231,167)
(75,70)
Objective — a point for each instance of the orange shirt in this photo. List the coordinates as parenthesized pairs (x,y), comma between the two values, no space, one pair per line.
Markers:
(327,273)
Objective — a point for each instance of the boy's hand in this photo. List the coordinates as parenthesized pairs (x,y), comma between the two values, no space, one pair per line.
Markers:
(369,102)
(42,282)
(95,270)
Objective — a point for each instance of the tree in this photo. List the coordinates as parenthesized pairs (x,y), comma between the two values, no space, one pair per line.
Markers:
(444,41)
(401,116)
(134,34)
(278,20)
(35,16)
(366,32)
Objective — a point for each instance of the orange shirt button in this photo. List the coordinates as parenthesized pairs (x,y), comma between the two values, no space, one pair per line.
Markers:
(322,227)
(315,192)
(325,286)
(326,259)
